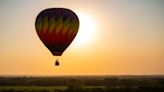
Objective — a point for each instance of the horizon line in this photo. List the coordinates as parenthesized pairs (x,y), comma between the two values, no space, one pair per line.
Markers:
(116,75)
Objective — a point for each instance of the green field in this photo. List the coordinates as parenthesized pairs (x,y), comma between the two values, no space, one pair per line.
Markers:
(32,88)
(83,84)
(41,88)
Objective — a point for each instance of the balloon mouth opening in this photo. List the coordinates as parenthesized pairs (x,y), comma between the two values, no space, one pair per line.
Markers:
(57,53)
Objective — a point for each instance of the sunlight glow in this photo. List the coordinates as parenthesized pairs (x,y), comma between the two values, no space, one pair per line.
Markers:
(87,31)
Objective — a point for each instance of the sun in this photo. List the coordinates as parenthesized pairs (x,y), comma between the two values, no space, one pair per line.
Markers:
(87,31)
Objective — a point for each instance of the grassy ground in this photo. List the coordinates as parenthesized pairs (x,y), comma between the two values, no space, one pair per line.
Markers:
(32,88)
(83,84)
(41,88)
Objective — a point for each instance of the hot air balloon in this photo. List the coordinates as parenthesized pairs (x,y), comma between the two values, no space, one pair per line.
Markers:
(56,28)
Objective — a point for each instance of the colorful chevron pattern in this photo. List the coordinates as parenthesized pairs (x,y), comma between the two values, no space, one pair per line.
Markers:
(57,27)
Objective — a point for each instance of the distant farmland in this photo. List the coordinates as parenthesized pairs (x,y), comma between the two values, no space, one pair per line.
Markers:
(82,84)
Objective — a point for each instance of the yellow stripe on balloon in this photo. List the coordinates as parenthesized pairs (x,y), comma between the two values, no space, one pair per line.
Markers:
(76,27)
(72,27)
(66,25)
(45,24)
(51,24)
(59,24)
(39,24)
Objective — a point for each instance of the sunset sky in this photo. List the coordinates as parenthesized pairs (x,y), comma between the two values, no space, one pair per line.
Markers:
(116,37)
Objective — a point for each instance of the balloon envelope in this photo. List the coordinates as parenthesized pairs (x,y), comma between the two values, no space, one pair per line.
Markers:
(57,27)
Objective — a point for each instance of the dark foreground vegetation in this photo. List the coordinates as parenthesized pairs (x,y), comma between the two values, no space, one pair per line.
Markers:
(83,84)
